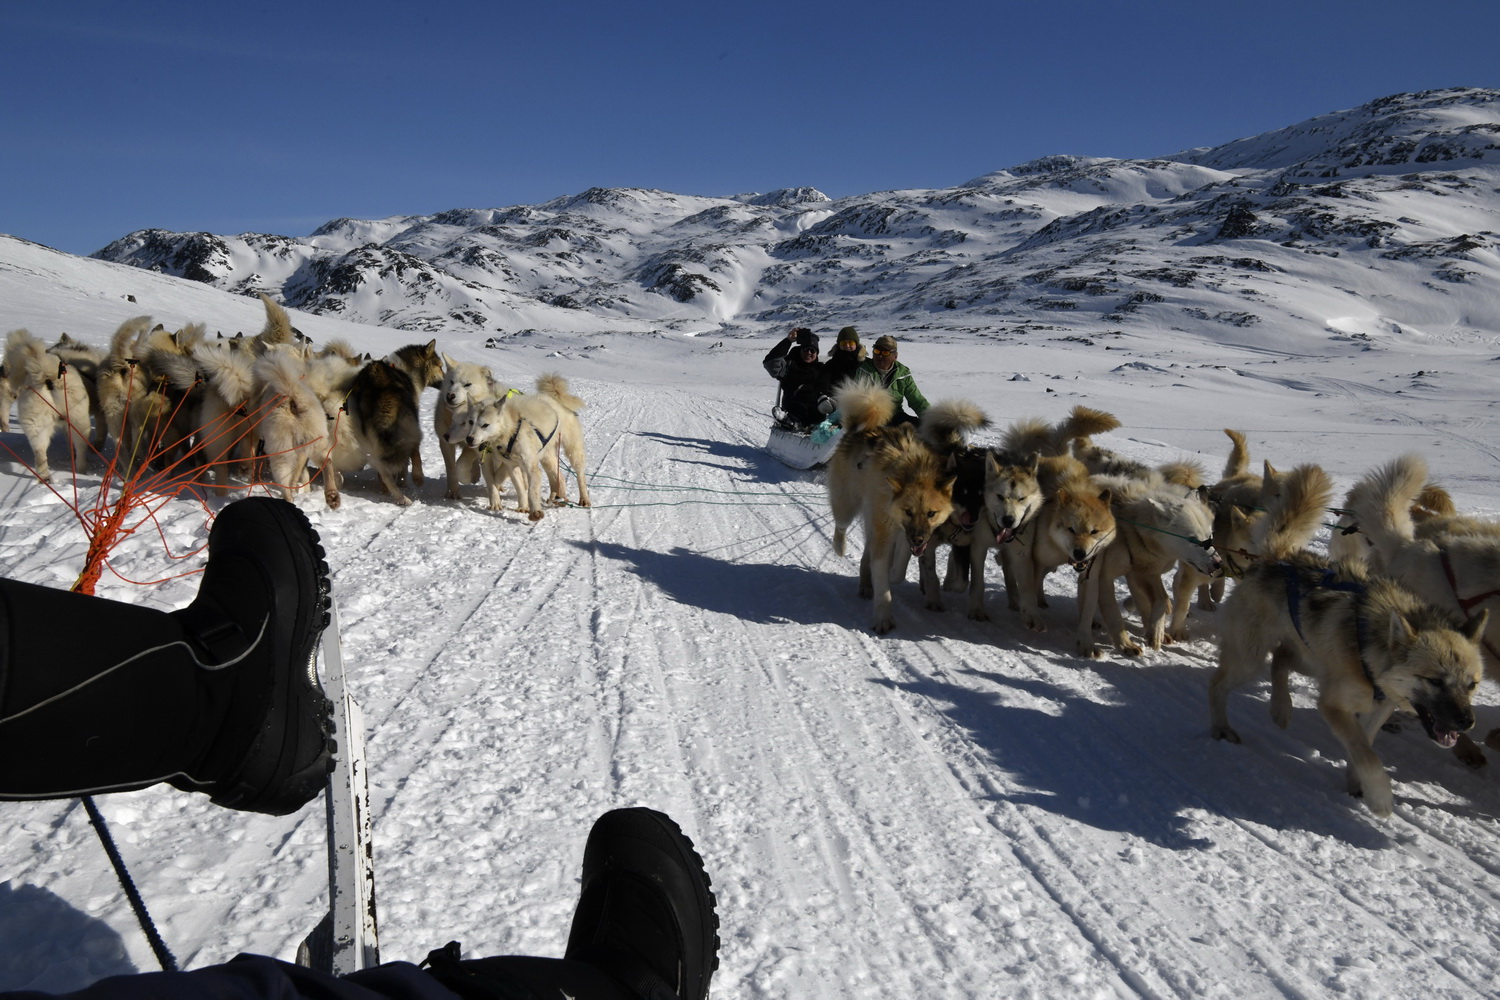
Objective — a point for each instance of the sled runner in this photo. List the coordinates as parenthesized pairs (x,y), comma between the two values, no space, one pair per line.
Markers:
(347,939)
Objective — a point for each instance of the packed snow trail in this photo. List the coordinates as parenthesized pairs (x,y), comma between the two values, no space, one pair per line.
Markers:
(961,809)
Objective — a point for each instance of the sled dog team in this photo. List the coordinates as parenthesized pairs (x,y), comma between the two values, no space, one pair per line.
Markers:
(226,405)
(1395,617)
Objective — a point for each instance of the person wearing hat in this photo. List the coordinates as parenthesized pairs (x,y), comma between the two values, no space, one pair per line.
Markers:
(804,383)
(845,357)
(883,367)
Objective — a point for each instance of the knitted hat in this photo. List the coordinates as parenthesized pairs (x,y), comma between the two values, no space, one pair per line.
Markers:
(886,343)
(806,338)
(849,335)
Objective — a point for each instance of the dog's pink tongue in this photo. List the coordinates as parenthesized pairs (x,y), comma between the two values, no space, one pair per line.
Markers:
(918,548)
(1006,534)
(1446,738)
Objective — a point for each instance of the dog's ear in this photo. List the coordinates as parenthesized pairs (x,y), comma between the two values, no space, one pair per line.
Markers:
(448,361)
(1105,496)
(945,485)
(1473,629)
(1034,460)
(1401,632)
(896,486)
(431,349)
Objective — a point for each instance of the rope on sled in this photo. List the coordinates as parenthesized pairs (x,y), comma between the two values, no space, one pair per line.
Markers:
(163,954)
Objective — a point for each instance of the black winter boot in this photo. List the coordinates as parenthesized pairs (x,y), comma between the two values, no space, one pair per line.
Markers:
(646,913)
(220,697)
(645,927)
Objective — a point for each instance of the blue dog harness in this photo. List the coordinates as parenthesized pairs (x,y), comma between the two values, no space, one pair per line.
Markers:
(1329,581)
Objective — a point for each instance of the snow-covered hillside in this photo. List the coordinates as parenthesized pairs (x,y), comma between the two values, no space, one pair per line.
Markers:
(958,810)
(1401,191)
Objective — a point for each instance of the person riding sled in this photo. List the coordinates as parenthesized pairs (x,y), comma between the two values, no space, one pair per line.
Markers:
(896,378)
(794,363)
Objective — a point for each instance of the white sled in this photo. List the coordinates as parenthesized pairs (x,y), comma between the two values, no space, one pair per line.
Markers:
(799,450)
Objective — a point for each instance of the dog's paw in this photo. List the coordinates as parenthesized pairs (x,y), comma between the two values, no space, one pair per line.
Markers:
(533,515)
(979,615)
(1032,622)
(883,625)
(451,495)
(1226,734)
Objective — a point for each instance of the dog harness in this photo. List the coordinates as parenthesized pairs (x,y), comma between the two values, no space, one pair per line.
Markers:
(1330,581)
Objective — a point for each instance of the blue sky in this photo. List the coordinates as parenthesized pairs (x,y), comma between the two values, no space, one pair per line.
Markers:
(276,117)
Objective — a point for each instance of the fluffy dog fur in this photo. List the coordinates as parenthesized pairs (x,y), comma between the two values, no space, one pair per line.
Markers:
(50,396)
(465,385)
(1370,645)
(553,389)
(1157,525)
(1074,524)
(383,413)
(892,482)
(944,428)
(1452,562)
(513,434)
(1050,440)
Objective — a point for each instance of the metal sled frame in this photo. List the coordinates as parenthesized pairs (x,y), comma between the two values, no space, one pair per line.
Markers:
(348,938)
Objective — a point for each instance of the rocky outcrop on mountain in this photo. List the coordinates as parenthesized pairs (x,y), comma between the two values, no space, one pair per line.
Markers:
(1404,188)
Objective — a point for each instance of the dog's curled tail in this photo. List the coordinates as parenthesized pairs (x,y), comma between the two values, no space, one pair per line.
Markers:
(1294,516)
(1183,472)
(1434,501)
(864,406)
(1238,463)
(1381,502)
(554,385)
(230,373)
(122,342)
(278,328)
(945,425)
(25,359)
(1083,423)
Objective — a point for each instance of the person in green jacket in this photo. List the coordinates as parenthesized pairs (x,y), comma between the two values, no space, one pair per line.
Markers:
(883,367)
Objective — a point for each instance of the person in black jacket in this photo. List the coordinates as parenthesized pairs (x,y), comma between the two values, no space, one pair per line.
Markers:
(845,357)
(804,383)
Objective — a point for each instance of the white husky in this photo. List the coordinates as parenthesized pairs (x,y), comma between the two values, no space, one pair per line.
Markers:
(50,395)
(517,432)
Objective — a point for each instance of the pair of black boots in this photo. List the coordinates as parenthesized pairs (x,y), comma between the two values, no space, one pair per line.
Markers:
(223,697)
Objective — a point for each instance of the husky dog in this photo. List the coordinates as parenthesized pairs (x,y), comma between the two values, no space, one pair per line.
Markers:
(553,389)
(50,396)
(330,375)
(227,428)
(1157,525)
(944,428)
(1011,496)
(293,425)
(85,360)
(513,434)
(1452,562)
(382,407)
(889,479)
(1074,525)
(1369,644)
(465,384)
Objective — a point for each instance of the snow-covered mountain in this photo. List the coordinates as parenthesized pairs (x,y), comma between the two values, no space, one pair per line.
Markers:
(1402,191)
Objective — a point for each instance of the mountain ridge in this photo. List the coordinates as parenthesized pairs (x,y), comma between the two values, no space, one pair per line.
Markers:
(1400,190)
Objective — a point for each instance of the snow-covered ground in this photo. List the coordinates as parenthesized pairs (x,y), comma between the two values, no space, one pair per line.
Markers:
(960,809)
